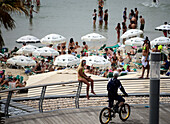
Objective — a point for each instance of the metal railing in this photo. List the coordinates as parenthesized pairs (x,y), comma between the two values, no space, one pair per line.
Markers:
(72,94)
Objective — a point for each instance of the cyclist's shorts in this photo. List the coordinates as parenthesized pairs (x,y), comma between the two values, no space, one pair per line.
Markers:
(118,98)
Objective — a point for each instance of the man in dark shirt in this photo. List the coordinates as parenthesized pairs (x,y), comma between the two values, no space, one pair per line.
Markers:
(112,88)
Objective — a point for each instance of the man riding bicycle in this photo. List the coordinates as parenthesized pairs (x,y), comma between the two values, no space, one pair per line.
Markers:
(112,88)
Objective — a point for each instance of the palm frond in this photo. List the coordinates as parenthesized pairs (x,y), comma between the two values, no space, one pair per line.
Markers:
(6,20)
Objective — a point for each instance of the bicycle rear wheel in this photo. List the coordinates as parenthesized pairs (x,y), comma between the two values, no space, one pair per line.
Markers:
(124,112)
(105,115)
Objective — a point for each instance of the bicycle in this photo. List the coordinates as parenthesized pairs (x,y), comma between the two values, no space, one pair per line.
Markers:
(107,113)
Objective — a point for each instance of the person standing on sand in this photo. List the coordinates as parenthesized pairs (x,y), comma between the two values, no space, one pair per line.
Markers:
(142,23)
(82,77)
(106,16)
(31,11)
(145,57)
(94,17)
(118,28)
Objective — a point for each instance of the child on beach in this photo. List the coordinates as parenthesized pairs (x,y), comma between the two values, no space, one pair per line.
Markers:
(94,17)
(31,11)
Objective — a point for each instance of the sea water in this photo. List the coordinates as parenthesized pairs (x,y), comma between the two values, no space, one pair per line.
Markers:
(73,19)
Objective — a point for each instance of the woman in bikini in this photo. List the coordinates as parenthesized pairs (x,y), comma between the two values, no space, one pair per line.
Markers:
(118,28)
(145,57)
(82,77)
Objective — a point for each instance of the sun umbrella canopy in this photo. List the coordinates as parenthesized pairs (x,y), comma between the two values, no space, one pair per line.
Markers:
(131,33)
(45,51)
(93,37)
(28,49)
(21,60)
(160,41)
(66,60)
(53,39)
(97,61)
(163,28)
(28,39)
(136,41)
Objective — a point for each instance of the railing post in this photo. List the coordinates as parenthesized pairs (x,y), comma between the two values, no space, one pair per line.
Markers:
(78,95)
(7,103)
(41,99)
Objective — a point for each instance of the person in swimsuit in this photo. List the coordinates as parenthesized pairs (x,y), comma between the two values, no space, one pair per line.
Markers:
(124,27)
(63,48)
(142,22)
(40,67)
(145,57)
(94,17)
(106,16)
(125,14)
(136,14)
(38,2)
(114,60)
(118,28)
(31,11)
(101,3)
(100,15)
(71,45)
(82,77)
(84,48)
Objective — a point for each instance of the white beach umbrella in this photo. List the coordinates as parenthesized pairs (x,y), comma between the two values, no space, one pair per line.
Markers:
(28,39)
(97,61)
(27,49)
(94,40)
(53,39)
(131,33)
(160,41)
(21,60)
(93,37)
(163,28)
(136,41)
(66,60)
(45,51)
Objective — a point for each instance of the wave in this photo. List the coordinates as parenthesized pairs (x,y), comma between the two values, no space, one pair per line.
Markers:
(151,4)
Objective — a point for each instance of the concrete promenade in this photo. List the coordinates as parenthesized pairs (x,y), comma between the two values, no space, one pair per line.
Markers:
(139,115)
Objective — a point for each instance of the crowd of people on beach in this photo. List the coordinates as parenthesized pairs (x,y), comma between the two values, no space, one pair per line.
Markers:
(121,61)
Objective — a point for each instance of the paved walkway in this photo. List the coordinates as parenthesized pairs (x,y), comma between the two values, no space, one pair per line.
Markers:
(139,115)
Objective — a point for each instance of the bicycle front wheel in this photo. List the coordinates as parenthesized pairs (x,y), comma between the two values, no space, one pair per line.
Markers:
(105,115)
(124,112)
